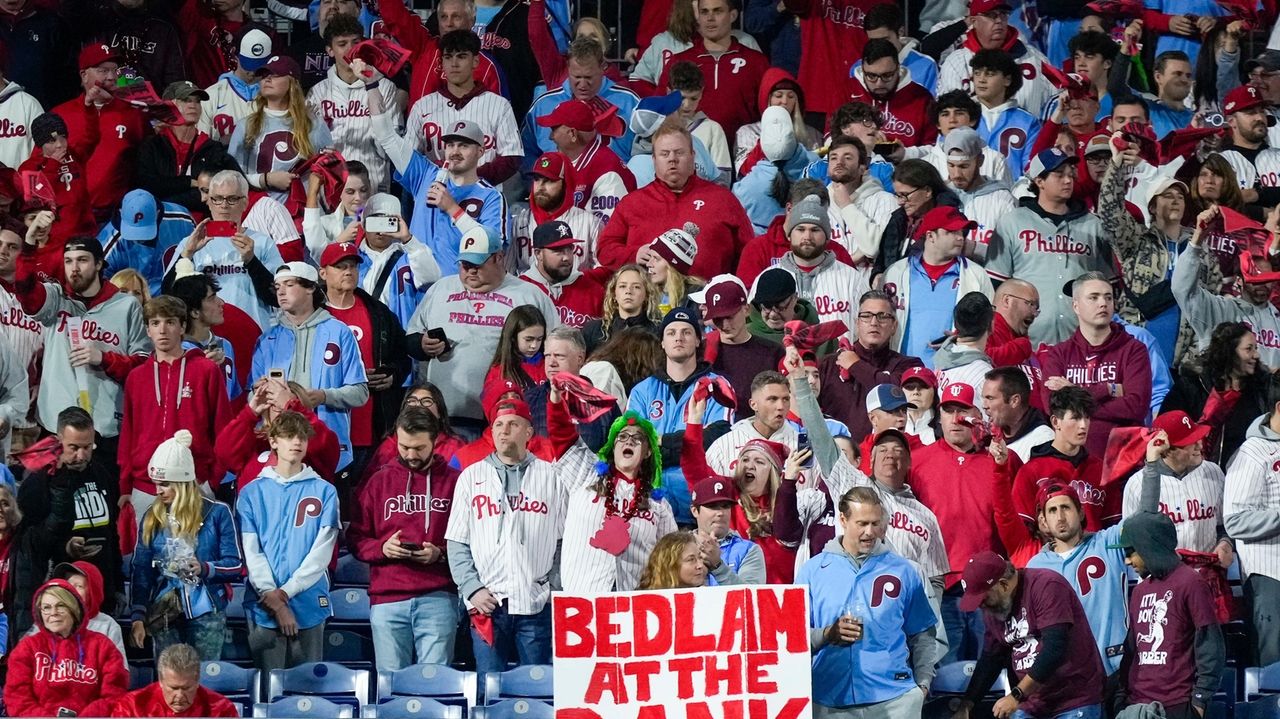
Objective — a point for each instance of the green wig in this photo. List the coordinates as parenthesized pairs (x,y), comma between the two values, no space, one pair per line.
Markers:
(605,455)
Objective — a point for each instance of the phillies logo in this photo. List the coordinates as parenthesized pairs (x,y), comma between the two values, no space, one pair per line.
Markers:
(697,204)
(357,331)
(404,279)
(120,131)
(9,128)
(738,63)
(655,409)
(66,670)
(885,587)
(333,353)
(224,125)
(472,206)
(307,507)
(137,217)
(1090,569)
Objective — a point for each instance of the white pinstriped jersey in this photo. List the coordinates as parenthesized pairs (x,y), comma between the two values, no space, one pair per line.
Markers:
(585,568)
(586,229)
(1264,170)
(271,218)
(224,109)
(1036,90)
(985,207)
(1194,503)
(1253,488)
(994,167)
(512,538)
(433,115)
(24,335)
(722,455)
(861,223)
(344,108)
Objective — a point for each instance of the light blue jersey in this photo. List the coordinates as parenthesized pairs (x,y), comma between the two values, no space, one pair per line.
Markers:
(433,226)
(221,260)
(150,259)
(1012,135)
(537,139)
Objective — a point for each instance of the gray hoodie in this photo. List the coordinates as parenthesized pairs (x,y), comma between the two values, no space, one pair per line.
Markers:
(1251,501)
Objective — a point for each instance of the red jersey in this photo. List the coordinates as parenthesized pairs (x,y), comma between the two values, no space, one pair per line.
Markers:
(599,161)
(578,300)
(1083,473)
(428,77)
(831,38)
(906,112)
(121,127)
(357,318)
(732,81)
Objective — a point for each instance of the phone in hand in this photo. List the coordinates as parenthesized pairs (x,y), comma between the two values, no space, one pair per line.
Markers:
(885,149)
(218,228)
(382,224)
(95,541)
(438,335)
(411,546)
(276,373)
(802,443)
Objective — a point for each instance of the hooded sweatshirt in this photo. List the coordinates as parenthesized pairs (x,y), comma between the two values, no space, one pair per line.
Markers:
(82,672)
(17,110)
(149,702)
(1117,373)
(1083,472)
(905,114)
(94,620)
(1205,310)
(764,251)
(1250,498)
(415,503)
(69,180)
(120,129)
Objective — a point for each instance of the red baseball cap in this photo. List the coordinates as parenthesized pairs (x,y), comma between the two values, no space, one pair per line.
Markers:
(723,297)
(551,165)
(1245,97)
(982,571)
(943,218)
(1181,430)
(807,359)
(280,66)
(339,251)
(96,54)
(1054,488)
(508,407)
(712,490)
(571,113)
(977,7)
(957,393)
(923,374)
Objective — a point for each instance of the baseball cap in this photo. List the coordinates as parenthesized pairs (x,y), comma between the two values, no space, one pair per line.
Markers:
(184,90)
(512,407)
(712,490)
(888,397)
(138,221)
(1157,186)
(479,244)
(255,49)
(890,434)
(1052,489)
(551,165)
(653,111)
(957,393)
(1098,143)
(575,114)
(1268,61)
(339,251)
(807,359)
(962,144)
(983,570)
(1182,431)
(279,66)
(96,54)
(550,235)
(773,286)
(382,204)
(1047,161)
(297,271)
(920,374)
(777,134)
(977,7)
(943,217)
(84,243)
(1245,97)
(465,130)
(724,295)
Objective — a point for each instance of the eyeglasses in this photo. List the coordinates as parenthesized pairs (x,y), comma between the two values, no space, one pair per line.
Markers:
(1035,305)
(779,307)
(1096,159)
(54,609)
(630,438)
(1259,73)
(880,76)
(995,15)
(419,402)
(875,317)
(906,196)
(224,201)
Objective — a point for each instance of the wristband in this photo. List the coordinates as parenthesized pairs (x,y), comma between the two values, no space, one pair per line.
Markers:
(457,214)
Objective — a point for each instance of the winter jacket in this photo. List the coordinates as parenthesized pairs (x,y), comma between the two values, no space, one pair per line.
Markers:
(82,672)
(111,166)
(896,241)
(897,283)
(149,701)
(537,139)
(1117,373)
(844,392)
(161,172)
(217,549)
(244,451)
(1249,500)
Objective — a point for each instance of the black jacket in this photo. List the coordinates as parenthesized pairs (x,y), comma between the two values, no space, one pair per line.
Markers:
(388,354)
(896,241)
(507,41)
(159,174)
(593,332)
(1190,393)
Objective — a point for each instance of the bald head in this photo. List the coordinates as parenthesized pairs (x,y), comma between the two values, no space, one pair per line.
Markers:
(1018,302)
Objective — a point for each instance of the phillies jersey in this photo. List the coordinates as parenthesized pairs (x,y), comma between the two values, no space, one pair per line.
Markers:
(985,206)
(435,114)
(1263,169)
(24,336)
(579,299)
(17,110)
(221,260)
(1009,130)
(905,114)
(273,149)
(230,100)
(586,230)
(602,180)
(1193,502)
(149,258)
(1036,90)
(110,165)
(288,526)
(414,270)
(831,38)
(344,109)
(732,81)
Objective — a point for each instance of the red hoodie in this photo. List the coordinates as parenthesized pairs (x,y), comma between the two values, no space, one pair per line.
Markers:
(1004,347)
(831,38)
(149,702)
(161,398)
(241,449)
(763,251)
(82,672)
(406,27)
(650,211)
(417,504)
(69,181)
(1083,472)
(773,77)
(1122,362)
(733,79)
(906,113)
(117,128)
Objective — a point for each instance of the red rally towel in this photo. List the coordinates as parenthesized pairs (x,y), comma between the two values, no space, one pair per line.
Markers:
(804,336)
(384,55)
(331,166)
(1126,451)
(716,388)
(584,402)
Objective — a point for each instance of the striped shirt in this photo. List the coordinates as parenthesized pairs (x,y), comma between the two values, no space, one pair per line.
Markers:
(1193,503)
(435,114)
(1250,499)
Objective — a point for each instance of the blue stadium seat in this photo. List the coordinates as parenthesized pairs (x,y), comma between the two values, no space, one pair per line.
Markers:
(532,681)
(434,681)
(235,611)
(515,709)
(411,708)
(235,648)
(1267,707)
(310,707)
(140,676)
(324,679)
(954,678)
(350,606)
(1261,680)
(348,648)
(351,572)
(242,686)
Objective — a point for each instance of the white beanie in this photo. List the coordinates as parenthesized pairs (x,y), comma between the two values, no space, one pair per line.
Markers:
(172,460)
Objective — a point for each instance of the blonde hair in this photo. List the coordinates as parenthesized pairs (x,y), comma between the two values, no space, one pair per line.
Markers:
(14,515)
(663,568)
(66,598)
(678,285)
(651,297)
(300,120)
(129,279)
(183,516)
(760,521)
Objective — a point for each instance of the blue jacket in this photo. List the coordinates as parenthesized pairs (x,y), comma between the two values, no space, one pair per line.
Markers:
(217,548)
(733,549)
(1012,136)
(434,226)
(537,139)
(148,258)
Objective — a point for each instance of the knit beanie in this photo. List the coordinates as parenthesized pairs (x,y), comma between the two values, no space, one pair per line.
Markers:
(808,211)
(172,460)
(679,247)
(44,126)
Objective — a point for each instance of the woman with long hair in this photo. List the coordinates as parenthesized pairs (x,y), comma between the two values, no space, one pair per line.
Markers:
(187,553)
(675,563)
(630,300)
(1217,72)
(1215,184)
(920,385)
(919,188)
(519,354)
(622,362)
(341,223)
(279,133)
(670,266)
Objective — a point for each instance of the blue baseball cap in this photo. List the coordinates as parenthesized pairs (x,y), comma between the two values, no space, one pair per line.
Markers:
(888,397)
(652,111)
(138,217)
(1047,161)
(478,245)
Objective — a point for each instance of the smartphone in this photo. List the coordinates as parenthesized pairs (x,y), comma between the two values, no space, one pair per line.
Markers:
(802,443)
(886,148)
(411,546)
(95,541)
(217,228)
(65,712)
(275,373)
(382,224)
(438,334)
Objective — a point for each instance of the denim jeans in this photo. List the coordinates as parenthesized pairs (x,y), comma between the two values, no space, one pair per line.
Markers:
(965,630)
(1089,711)
(425,626)
(517,638)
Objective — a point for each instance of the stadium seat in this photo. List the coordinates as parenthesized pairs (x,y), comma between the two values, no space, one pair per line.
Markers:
(515,709)
(953,678)
(1267,707)
(140,676)
(242,686)
(411,708)
(235,648)
(434,681)
(235,612)
(1261,680)
(324,679)
(1229,688)
(351,572)
(348,648)
(350,607)
(310,707)
(532,681)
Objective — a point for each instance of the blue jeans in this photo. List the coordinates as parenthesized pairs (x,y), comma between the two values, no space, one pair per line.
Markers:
(517,638)
(425,626)
(965,630)
(1089,711)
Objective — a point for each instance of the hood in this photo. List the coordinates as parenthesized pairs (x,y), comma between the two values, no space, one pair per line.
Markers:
(317,317)
(35,603)
(1012,43)
(860,86)
(271,473)
(953,354)
(835,547)
(987,187)
(1048,451)
(1261,428)
(1075,210)
(1151,534)
(93,578)
(570,181)
(1035,419)
(772,78)
(12,88)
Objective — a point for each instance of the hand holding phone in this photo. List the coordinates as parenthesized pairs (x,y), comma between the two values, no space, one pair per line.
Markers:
(382,224)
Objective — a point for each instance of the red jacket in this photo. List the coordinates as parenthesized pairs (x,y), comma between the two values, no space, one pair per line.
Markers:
(732,82)
(577,302)
(82,672)
(1018,539)
(121,127)
(242,450)
(406,27)
(763,252)
(1121,360)
(161,398)
(831,38)
(149,702)
(964,508)
(655,208)
(69,181)
(1004,347)
(1083,472)
(418,505)
(906,113)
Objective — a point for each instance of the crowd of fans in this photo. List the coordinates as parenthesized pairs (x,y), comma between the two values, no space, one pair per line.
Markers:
(963,315)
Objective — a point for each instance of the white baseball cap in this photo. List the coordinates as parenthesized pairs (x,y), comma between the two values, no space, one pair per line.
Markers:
(297,271)
(255,49)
